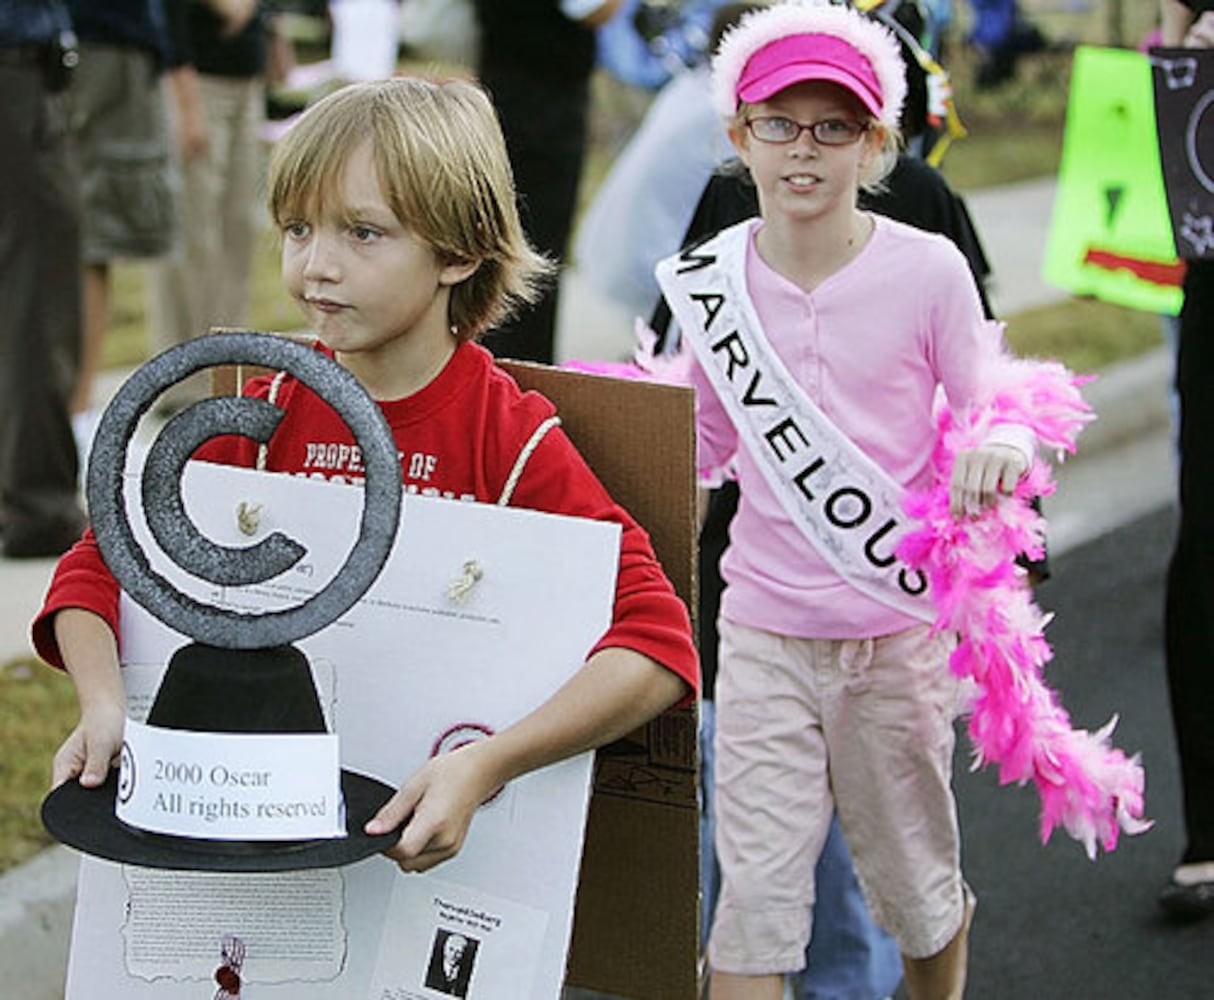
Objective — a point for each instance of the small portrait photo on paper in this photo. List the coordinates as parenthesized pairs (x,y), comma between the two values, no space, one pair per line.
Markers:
(452,958)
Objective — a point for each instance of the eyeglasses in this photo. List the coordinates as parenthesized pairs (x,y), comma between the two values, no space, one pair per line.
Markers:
(827,132)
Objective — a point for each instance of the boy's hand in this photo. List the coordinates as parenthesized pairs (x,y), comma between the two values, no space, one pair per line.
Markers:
(438,802)
(615,691)
(980,475)
(91,748)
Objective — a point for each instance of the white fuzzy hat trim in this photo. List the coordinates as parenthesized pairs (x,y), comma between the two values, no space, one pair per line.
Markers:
(804,17)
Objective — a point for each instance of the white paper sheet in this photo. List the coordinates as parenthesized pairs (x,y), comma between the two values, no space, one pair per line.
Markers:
(494,954)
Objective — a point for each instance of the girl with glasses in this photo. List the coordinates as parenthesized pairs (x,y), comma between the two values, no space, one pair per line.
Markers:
(821,335)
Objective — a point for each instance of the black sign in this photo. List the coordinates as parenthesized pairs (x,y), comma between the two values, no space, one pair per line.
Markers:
(1184,112)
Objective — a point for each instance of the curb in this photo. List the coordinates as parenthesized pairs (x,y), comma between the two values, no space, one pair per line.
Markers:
(37,902)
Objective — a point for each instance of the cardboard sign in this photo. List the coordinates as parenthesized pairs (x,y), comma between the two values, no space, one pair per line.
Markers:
(635,930)
(636,920)
(1110,234)
(1184,108)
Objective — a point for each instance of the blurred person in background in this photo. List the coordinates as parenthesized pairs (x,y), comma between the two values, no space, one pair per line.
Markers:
(218,106)
(1001,34)
(1189,601)
(120,128)
(536,60)
(643,206)
(40,513)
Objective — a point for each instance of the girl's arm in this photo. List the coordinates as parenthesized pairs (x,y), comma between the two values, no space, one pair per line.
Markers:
(965,346)
(616,691)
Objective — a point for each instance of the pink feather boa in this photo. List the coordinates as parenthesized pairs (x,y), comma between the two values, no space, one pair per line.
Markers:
(646,363)
(1086,785)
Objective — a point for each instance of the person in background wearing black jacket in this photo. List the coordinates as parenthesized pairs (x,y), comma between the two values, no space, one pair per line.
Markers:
(1189,601)
(40,512)
(536,60)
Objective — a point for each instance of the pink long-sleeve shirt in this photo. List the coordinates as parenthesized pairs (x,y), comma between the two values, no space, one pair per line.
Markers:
(870,345)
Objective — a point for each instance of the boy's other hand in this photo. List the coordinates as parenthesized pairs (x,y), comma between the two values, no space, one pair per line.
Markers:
(980,475)
(91,749)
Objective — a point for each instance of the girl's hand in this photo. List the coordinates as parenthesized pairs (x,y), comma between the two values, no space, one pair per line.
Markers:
(438,801)
(980,475)
(92,747)
(1201,34)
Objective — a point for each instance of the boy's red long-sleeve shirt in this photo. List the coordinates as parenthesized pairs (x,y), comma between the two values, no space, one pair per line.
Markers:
(458,438)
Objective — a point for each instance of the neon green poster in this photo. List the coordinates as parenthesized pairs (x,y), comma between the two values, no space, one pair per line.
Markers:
(1110,234)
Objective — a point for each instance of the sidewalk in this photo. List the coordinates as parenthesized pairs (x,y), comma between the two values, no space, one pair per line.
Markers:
(1123,469)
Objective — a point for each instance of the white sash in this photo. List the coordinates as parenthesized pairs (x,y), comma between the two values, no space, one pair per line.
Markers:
(844,504)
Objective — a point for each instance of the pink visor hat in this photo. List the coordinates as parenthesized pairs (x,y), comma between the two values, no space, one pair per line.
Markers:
(796,58)
(788,43)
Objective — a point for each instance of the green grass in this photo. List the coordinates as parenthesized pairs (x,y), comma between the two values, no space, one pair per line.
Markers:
(1084,334)
(39,707)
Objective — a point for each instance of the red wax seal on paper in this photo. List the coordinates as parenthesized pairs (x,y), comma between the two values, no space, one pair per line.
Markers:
(231,953)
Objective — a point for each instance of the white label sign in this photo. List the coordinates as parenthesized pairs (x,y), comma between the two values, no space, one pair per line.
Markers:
(230,786)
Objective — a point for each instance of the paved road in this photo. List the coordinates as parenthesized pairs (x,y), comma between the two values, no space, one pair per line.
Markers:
(1050,924)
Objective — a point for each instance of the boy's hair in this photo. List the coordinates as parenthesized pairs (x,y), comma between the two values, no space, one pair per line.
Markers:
(442,164)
